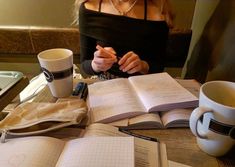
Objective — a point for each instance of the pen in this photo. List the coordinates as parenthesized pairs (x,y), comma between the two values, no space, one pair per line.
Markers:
(84,92)
(110,53)
(138,135)
(78,89)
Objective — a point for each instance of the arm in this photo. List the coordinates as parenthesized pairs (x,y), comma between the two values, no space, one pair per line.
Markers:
(167,12)
(94,58)
(87,49)
(131,63)
(146,62)
(103,59)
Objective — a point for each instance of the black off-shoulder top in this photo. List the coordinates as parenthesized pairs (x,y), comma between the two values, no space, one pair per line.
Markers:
(146,38)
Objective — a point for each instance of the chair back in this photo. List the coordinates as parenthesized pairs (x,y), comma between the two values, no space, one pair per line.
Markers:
(177,47)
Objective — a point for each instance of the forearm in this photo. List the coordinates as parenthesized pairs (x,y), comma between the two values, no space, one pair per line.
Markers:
(87,49)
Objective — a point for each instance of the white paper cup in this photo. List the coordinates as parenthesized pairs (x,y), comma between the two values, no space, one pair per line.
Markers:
(57,66)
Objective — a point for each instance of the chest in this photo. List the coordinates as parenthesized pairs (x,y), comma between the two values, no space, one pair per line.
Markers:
(138,10)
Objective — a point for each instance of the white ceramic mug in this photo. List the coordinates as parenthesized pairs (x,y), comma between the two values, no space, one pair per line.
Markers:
(213,122)
(57,66)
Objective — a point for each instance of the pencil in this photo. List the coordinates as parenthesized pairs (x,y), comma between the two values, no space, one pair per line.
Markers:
(138,135)
(106,51)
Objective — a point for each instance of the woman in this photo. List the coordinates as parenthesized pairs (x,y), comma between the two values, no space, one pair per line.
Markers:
(119,38)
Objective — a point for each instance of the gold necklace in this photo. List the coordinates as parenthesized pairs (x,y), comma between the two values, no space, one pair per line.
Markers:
(124,13)
(123,0)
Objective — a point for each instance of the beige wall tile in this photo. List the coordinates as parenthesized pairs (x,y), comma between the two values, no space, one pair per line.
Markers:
(48,38)
(15,41)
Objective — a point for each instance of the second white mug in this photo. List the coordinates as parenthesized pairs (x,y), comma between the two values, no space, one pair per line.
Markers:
(213,122)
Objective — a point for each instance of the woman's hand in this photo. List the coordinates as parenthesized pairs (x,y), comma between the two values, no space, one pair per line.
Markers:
(103,59)
(131,63)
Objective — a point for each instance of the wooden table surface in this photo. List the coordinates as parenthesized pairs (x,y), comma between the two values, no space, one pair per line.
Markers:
(182,147)
(180,142)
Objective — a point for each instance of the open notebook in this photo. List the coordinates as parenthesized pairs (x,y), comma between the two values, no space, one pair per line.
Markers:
(8,79)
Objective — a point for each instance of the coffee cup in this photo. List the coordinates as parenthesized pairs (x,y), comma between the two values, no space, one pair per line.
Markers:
(213,122)
(57,66)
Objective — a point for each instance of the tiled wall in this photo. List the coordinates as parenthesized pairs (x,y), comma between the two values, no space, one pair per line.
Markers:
(23,44)
(28,41)
(20,45)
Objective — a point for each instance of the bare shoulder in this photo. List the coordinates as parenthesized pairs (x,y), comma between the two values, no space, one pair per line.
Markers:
(164,11)
(92,4)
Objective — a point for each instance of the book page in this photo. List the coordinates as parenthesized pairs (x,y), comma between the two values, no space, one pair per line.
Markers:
(176,117)
(150,154)
(145,121)
(120,123)
(146,152)
(98,151)
(160,92)
(176,164)
(113,100)
(99,129)
(30,152)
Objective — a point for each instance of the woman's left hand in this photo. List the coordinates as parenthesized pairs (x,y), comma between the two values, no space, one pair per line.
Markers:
(131,63)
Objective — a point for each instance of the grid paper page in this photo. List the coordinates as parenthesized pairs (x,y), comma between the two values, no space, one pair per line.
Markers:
(98,152)
(30,152)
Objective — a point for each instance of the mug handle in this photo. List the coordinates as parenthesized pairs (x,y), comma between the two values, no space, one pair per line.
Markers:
(194,118)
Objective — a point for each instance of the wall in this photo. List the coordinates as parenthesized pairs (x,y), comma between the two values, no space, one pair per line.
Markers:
(55,13)
(183,10)
(29,13)
(58,13)
(211,55)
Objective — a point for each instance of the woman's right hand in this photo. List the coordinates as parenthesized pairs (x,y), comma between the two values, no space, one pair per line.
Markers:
(103,59)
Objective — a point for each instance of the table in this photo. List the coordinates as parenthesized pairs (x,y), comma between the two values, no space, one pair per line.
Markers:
(182,147)
(180,142)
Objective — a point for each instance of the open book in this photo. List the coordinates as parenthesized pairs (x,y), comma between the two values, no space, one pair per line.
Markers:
(100,145)
(48,152)
(121,98)
(147,153)
(163,119)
